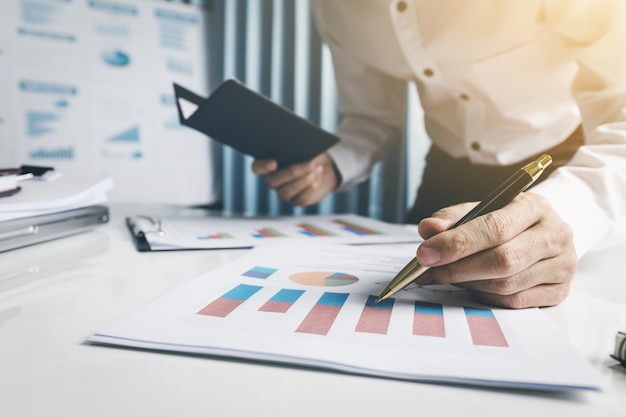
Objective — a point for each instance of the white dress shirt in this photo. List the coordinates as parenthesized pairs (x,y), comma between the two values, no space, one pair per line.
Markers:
(499,81)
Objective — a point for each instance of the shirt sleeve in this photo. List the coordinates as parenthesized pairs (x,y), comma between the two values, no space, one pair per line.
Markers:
(372,106)
(589,193)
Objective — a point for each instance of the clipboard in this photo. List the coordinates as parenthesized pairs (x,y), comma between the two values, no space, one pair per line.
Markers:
(252,124)
(620,348)
(31,230)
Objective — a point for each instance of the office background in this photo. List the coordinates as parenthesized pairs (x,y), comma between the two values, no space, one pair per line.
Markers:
(89,91)
(272,46)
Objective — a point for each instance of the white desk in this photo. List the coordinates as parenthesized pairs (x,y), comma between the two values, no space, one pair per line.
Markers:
(55,294)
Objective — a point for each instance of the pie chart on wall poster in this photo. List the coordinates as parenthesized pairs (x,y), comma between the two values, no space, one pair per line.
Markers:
(323,279)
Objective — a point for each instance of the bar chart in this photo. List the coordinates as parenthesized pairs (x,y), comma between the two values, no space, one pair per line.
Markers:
(426,319)
(355,228)
(267,232)
(311,230)
(219,235)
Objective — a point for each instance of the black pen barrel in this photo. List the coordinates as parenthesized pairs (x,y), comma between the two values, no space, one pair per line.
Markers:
(499,197)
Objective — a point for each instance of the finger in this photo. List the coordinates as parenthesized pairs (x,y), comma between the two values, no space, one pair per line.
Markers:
(539,296)
(484,232)
(550,271)
(290,174)
(443,219)
(264,166)
(301,190)
(508,259)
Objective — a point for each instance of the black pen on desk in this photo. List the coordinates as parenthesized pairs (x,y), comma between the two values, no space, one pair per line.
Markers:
(500,197)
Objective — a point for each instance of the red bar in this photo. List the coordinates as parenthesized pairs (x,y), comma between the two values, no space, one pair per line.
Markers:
(375,317)
(428,325)
(486,331)
(221,307)
(276,306)
(265,233)
(319,320)
(311,230)
(428,319)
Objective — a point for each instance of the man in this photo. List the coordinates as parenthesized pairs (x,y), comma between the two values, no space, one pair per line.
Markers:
(500,81)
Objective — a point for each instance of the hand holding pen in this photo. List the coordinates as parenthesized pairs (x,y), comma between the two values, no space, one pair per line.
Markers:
(515,255)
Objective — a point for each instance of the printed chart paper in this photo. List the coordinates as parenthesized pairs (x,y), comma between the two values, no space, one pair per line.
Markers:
(314,306)
(224,232)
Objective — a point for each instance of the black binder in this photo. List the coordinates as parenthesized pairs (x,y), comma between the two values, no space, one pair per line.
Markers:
(251,123)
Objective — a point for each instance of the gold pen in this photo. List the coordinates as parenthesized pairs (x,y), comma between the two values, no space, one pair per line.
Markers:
(500,197)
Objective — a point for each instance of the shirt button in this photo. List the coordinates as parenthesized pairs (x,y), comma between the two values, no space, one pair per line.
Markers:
(475,146)
(429,72)
(464,97)
(401,6)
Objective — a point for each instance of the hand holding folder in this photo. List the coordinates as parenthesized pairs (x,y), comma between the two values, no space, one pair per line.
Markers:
(252,124)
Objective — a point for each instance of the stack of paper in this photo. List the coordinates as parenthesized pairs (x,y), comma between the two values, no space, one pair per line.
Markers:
(61,194)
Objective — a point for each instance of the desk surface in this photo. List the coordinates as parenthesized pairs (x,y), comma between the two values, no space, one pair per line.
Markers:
(53,295)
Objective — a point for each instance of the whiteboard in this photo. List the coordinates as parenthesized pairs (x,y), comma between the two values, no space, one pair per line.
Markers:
(86,87)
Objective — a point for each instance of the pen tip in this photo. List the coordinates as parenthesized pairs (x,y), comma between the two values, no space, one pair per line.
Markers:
(378,300)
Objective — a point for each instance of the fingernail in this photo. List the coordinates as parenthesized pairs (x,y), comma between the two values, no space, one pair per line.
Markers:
(424,279)
(428,256)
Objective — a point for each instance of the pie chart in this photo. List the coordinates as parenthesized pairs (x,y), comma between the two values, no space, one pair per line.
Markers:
(323,279)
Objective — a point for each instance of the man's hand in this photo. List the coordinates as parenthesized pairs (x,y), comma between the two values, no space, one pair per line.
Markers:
(520,256)
(300,184)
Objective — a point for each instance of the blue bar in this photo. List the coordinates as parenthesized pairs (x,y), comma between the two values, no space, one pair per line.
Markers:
(176,16)
(428,308)
(242,292)
(334,299)
(259,272)
(114,7)
(49,35)
(47,88)
(287,296)
(386,304)
(480,312)
(355,231)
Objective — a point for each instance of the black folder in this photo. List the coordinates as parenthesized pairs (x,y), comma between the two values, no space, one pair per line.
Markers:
(251,123)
